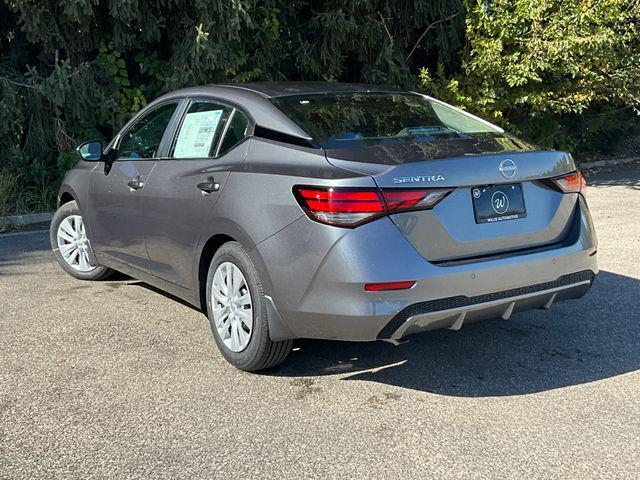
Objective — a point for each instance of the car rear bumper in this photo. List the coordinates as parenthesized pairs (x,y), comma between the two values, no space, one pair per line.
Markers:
(317,276)
(453,312)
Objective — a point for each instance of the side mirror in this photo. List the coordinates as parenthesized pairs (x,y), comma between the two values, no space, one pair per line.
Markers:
(90,151)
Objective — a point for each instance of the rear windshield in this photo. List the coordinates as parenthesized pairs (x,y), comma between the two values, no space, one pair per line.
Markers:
(338,120)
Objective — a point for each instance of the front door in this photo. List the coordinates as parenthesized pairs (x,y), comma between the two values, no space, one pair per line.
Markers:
(116,195)
(185,187)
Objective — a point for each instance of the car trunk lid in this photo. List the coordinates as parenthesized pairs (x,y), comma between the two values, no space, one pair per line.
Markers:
(452,230)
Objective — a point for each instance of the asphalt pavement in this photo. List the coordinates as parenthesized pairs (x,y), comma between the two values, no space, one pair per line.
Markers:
(117,380)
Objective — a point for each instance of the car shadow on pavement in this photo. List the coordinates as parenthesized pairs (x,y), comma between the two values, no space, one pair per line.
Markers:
(151,288)
(576,342)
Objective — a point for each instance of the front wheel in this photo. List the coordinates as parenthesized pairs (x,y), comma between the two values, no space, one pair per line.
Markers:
(237,312)
(71,246)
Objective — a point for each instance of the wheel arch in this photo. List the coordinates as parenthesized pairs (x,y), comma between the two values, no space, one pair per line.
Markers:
(75,188)
(66,197)
(67,194)
(209,249)
(211,240)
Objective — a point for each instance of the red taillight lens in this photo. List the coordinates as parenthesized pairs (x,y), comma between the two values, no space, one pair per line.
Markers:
(399,200)
(385,286)
(572,183)
(347,207)
(350,207)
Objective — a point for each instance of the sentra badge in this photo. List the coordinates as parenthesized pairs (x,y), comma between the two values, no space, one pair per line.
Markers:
(419,179)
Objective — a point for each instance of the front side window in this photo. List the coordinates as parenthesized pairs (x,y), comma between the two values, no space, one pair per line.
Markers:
(200,130)
(235,133)
(143,139)
(354,119)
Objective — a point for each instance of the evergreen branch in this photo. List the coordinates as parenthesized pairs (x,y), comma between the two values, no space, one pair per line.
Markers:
(62,137)
(429,27)
(384,24)
(19,84)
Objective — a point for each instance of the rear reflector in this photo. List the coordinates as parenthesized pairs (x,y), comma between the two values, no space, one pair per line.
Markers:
(378,287)
(350,207)
(572,183)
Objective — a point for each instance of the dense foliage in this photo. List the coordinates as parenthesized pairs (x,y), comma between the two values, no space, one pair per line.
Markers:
(563,73)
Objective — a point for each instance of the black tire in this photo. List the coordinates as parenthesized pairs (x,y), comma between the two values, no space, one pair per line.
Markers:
(261,352)
(98,272)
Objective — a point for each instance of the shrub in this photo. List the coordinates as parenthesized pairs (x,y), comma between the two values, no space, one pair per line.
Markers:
(563,73)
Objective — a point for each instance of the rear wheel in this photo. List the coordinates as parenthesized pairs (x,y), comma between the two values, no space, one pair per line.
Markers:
(72,247)
(237,312)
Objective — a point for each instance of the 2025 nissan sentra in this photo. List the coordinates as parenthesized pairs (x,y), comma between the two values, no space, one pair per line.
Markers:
(326,210)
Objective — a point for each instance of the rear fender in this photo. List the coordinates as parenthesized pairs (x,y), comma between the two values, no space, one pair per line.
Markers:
(278,329)
(227,227)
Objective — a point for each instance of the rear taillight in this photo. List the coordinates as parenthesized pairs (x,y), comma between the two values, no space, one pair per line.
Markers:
(345,207)
(400,200)
(350,207)
(342,207)
(571,183)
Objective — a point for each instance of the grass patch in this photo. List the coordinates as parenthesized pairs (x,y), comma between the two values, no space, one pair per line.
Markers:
(18,200)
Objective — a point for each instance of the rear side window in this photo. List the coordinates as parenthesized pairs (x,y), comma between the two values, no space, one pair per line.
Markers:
(236,132)
(200,130)
(142,139)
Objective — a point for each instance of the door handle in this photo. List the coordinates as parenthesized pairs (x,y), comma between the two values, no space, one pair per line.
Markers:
(135,184)
(209,186)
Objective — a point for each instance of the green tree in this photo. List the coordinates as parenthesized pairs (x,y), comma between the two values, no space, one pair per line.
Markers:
(77,69)
(561,72)
(566,74)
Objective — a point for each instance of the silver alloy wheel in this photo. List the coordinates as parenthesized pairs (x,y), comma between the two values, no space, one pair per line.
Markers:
(231,306)
(73,243)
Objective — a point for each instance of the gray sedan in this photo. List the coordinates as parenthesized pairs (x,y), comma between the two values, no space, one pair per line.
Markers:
(326,210)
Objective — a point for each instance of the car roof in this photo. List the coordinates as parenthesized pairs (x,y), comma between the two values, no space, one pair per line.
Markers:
(283,89)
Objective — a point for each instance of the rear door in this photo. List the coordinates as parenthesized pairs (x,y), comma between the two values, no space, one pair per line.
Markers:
(208,144)
(116,195)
